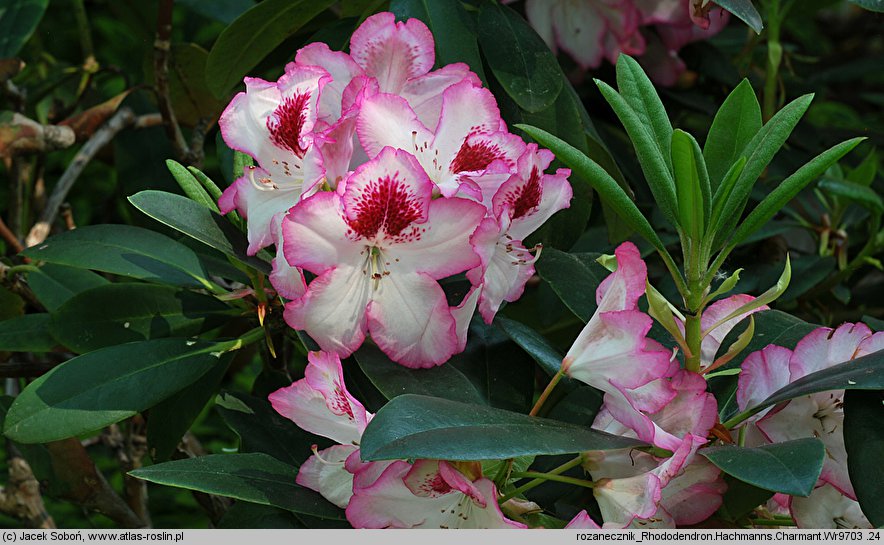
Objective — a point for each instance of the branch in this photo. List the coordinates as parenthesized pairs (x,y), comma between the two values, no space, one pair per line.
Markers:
(161,48)
(16,284)
(20,135)
(21,498)
(85,485)
(123,118)
(130,449)
(10,237)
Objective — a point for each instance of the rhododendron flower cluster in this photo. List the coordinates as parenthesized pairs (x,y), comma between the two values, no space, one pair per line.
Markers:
(654,31)
(389,494)
(833,501)
(380,177)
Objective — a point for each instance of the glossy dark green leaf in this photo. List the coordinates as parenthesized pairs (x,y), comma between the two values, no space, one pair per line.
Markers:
(18,20)
(501,371)
(256,478)
(453,28)
(565,118)
(261,429)
(198,222)
(253,35)
(412,426)
(124,250)
(741,498)
(871,5)
(792,467)
(190,185)
(745,11)
(127,312)
(445,381)
(788,188)
(55,284)
(574,278)
(99,388)
(864,440)
(532,342)
(874,323)
(28,333)
(518,57)
(225,11)
(737,121)
(170,419)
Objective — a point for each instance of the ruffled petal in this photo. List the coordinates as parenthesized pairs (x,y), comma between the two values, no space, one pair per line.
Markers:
(582,521)
(342,69)
(826,508)
(325,474)
(393,52)
(424,93)
(763,373)
(822,348)
(388,120)
(315,235)
(466,110)
(694,495)
(325,375)
(333,310)
(714,312)
(410,320)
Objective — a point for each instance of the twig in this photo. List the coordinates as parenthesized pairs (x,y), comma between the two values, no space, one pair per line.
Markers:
(10,237)
(123,118)
(21,497)
(214,506)
(85,485)
(161,48)
(17,285)
(130,449)
(68,216)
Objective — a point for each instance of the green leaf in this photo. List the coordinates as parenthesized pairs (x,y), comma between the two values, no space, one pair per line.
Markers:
(874,323)
(864,440)
(198,222)
(124,250)
(726,285)
(126,312)
(532,342)
(653,156)
(213,190)
(170,419)
(741,498)
(253,35)
(746,12)
(871,5)
(736,123)
(445,381)
(99,388)
(190,185)
(693,200)
(412,426)
(261,429)
(768,296)
(18,20)
(518,57)
(453,28)
(565,118)
(864,174)
(601,181)
(55,284)
(28,333)
(761,149)
(790,187)
(501,371)
(256,478)
(792,467)
(661,310)
(638,91)
(574,278)
(864,196)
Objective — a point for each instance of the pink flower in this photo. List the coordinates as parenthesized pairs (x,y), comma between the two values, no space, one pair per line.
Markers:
(817,415)
(427,494)
(520,206)
(612,353)
(465,147)
(320,404)
(273,123)
(378,248)
(588,30)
